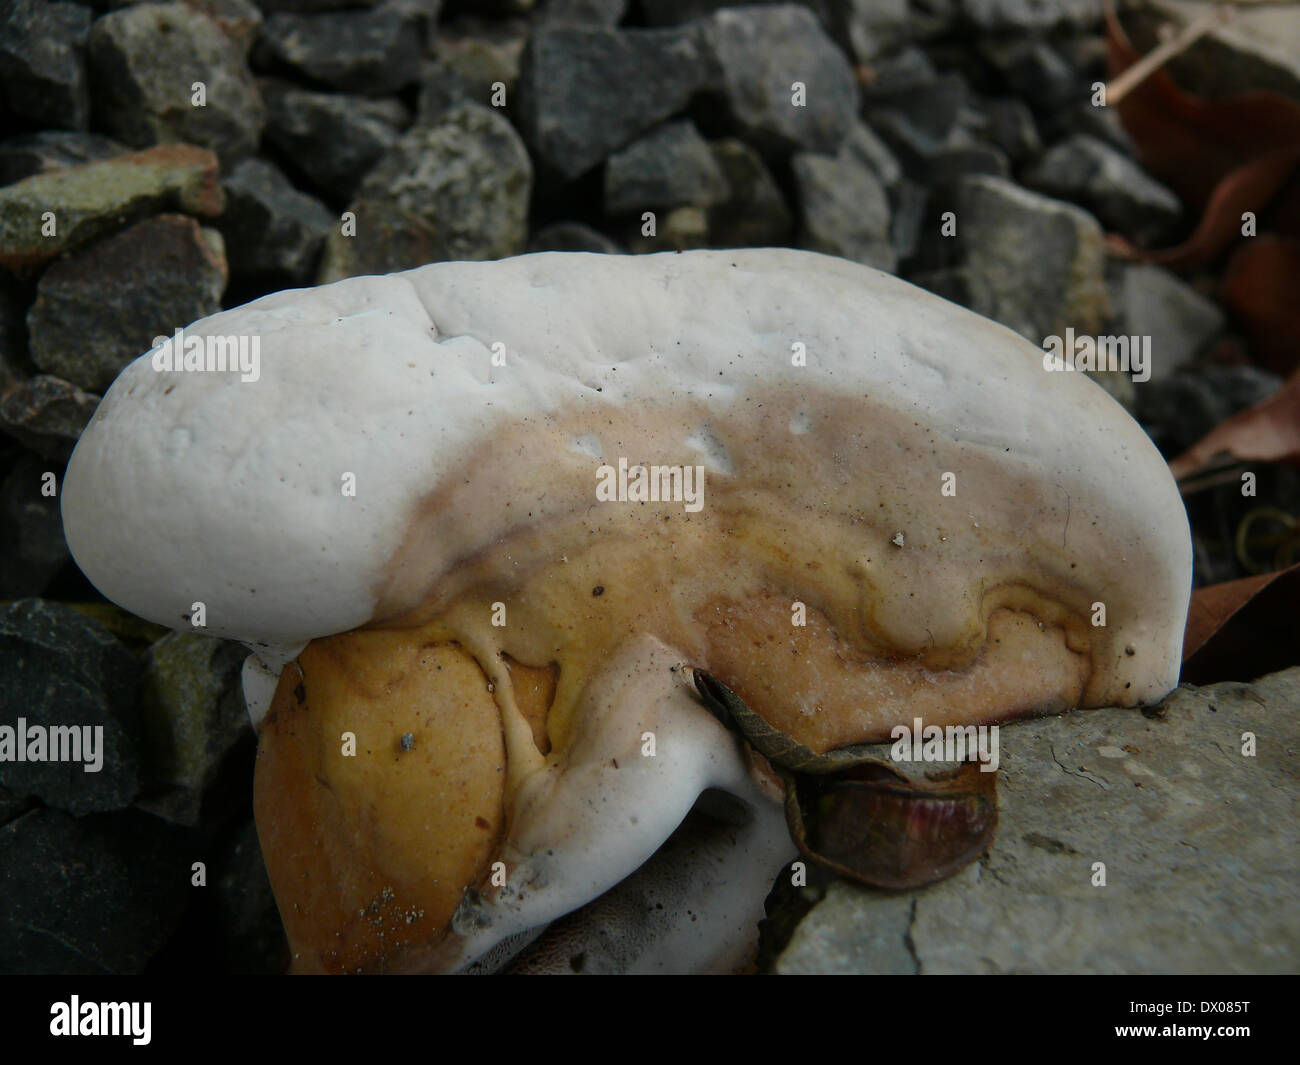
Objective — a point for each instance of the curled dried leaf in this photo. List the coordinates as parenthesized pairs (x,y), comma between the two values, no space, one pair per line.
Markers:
(856,814)
(880,829)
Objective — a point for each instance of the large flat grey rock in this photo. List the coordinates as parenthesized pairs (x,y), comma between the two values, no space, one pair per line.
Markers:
(1198,840)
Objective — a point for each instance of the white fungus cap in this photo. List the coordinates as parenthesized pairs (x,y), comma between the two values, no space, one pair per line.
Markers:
(199,487)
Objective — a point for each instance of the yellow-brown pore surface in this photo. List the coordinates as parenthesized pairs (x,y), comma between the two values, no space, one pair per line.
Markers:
(369,854)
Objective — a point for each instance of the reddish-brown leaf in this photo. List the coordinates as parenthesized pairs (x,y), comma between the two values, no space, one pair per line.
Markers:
(1267,432)
(1261,286)
(1243,629)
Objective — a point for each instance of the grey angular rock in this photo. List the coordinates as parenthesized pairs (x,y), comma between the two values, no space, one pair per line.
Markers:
(1010,126)
(920,122)
(843,209)
(1103,123)
(240,20)
(457,188)
(669,167)
(865,28)
(754,213)
(955,162)
(48,214)
(586,92)
(46,413)
(269,227)
(1034,71)
(1030,15)
(329,140)
(1192,833)
(136,56)
(863,143)
(90,895)
(32,547)
(763,53)
(192,714)
(1034,264)
(898,76)
(1150,301)
(372,51)
(40,153)
(572,236)
(1119,192)
(43,62)
(64,670)
(100,308)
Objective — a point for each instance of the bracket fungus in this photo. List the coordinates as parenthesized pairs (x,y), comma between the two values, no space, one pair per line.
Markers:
(477,630)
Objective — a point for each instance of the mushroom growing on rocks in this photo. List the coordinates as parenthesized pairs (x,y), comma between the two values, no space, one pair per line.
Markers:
(476,636)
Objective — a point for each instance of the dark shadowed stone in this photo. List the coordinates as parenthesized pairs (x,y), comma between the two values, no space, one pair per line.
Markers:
(46,414)
(456,188)
(754,214)
(270,228)
(39,153)
(956,162)
(1034,264)
(145,61)
(299,7)
(922,121)
(373,51)
(193,713)
(63,669)
(14,365)
(573,236)
(1198,840)
(583,12)
(1009,124)
(668,167)
(585,92)
(87,202)
(908,203)
(1150,301)
(843,208)
(249,926)
(327,140)
(1114,188)
(1023,16)
(100,308)
(1181,409)
(90,895)
(42,62)
(762,52)
(1034,71)
(32,547)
